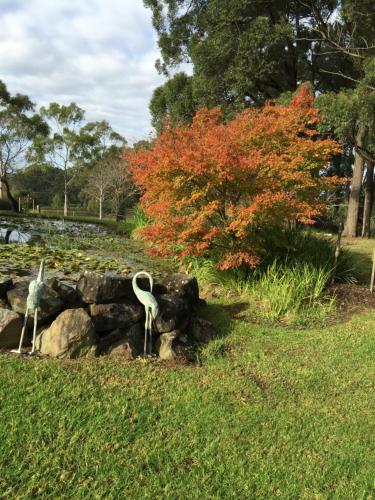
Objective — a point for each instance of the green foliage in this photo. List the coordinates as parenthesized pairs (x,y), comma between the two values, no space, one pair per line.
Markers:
(139,219)
(20,129)
(27,182)
(293,294)
(243,52)
(310,247)
(173,101)
(290,285)
(339,112)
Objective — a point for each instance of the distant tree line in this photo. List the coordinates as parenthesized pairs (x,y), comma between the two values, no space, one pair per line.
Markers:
(53,157)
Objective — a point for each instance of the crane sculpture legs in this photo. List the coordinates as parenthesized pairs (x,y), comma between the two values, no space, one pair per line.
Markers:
(32,352)
(19,350)
(148,331)
(33,301)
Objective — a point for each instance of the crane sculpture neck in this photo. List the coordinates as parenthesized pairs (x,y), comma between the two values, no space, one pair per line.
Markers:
(40,277)
(134,281)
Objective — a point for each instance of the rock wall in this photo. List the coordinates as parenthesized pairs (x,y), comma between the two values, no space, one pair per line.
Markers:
(102,316)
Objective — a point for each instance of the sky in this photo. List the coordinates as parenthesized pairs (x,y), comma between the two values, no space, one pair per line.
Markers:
(98,53)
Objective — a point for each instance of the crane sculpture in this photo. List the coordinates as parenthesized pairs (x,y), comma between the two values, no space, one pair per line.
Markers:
(36,288)
(150,304)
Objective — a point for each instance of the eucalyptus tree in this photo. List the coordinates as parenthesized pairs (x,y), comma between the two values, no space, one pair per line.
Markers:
(62,147)
(241,52)
(351,114)
(20,127)
(97,139)
(100,153)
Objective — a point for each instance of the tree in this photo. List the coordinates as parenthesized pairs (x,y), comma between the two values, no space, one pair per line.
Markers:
(242,52)
(97,140)
(27,182)
(19,127)
(217,189)
(97,184)
(350,116)
(101,151)
(173,102)
(63,146)
(124,192)
(351,37)
(109,184)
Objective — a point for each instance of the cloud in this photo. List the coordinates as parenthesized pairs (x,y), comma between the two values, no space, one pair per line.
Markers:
(99,54)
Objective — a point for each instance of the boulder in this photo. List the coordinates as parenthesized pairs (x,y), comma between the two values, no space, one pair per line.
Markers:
(174,313)
(10,328)
(67,293)
(4,304)
(129,345)
(164,345)
(50,304)
(95,288)
(4,287)
(201,330)
(108,317)
(183,286)
(71,335)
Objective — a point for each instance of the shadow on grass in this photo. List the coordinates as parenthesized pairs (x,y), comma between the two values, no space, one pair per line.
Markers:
(361,250)
(220,344)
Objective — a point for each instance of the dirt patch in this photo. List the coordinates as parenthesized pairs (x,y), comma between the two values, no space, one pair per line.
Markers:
(351,299)
(236,310)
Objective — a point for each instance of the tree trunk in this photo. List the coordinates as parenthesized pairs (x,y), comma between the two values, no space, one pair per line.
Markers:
(369,198)
(101,205)
(350,228)
(65,204)
(12,201)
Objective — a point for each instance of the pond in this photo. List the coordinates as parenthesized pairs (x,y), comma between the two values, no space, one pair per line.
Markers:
(22,230)
(69,248)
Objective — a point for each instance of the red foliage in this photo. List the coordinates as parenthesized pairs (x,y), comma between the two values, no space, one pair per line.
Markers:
(216,189)
(303,98)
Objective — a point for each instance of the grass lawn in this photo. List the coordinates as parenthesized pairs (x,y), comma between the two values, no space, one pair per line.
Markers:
(269,411)
(362,249)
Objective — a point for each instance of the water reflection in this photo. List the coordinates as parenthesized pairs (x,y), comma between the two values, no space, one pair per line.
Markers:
(13,235)
(24,230)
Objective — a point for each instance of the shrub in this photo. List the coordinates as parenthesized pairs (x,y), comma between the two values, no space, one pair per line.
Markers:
(217,190)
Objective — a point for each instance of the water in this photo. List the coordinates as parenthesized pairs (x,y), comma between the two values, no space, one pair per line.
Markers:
(23,230)
(86,242)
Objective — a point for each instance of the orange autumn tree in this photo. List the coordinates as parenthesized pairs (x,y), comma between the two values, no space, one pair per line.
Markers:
(216,189)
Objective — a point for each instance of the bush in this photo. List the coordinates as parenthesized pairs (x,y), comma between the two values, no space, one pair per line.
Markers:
(290,285)
(310,247)
(294,294)
(216,190)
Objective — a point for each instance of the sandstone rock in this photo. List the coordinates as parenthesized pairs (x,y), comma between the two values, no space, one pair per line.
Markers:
(164,345)
(183,286)
(201,330)
(50,304)
(108,317)
(174,314)
(10,328)
(67,293)
(129,345)
(4,287)
(71,335)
